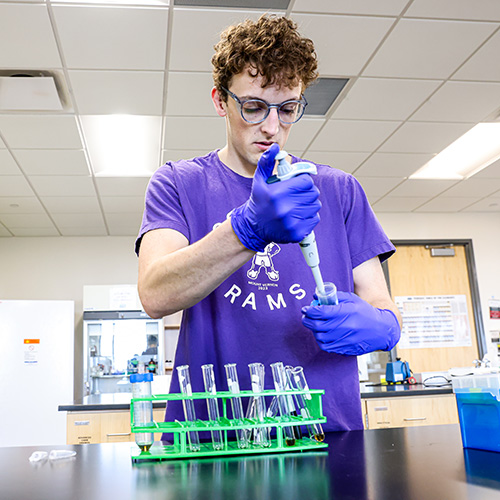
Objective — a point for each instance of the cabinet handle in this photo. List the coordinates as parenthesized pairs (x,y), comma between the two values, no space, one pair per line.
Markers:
(414,418)
(118,434)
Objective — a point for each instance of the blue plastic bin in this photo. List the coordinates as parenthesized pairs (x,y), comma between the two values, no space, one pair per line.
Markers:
(478,403)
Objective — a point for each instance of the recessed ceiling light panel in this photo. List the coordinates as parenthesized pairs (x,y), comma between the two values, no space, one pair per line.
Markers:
(236,4)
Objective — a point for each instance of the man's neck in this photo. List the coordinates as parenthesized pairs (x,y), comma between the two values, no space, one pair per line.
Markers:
(235,164)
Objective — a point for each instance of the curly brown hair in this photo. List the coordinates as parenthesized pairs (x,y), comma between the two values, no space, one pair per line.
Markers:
(270,47)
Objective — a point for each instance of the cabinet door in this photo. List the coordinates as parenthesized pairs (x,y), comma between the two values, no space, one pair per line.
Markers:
(83,428)
(411,411)
(115,427)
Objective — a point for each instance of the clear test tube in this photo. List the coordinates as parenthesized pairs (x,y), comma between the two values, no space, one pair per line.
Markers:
(261,434)
(212,405)
(328,296)
(298,381)
(291,405)
(188,405)
(242,435)
(279,378)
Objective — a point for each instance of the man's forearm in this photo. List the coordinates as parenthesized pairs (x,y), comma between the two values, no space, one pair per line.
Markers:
(175,281)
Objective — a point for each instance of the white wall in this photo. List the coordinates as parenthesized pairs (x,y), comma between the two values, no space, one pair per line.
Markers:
(58,268)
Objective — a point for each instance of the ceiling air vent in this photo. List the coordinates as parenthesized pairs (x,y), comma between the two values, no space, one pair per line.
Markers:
(322,94)
(22,90)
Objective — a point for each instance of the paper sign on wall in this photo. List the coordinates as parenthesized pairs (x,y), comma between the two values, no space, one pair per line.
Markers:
(434,321)
(31,351)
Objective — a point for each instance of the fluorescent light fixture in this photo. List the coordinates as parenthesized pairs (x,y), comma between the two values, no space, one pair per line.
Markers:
(469,154)
(139,3)
(29,93)
(123,145)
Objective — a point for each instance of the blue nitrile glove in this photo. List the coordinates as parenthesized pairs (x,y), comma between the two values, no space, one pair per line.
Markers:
(352,327)
(282,212)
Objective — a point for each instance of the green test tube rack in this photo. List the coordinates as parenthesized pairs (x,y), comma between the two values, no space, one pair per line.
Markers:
(179,449)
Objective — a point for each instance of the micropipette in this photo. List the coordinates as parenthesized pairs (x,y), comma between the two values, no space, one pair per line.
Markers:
(308,244)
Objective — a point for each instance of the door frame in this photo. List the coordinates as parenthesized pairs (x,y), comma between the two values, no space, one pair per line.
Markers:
(472,275)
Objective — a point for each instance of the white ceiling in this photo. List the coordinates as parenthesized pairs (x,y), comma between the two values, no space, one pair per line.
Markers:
(422,72)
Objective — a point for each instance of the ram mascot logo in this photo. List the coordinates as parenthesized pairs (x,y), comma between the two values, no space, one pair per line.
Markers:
(264,260)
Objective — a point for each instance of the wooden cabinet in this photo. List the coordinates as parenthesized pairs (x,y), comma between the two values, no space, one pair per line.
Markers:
(406,411)
(103,426)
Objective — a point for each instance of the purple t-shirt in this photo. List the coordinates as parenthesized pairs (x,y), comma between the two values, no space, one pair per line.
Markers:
(255,314)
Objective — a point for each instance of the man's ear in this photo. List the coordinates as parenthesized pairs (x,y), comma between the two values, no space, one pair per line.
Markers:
(219,104)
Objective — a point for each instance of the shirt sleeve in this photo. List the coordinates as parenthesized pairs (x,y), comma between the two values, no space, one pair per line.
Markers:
(163,208)
(366,237)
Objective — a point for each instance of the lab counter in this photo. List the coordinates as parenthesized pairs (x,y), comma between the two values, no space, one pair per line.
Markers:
(412,463)
(121,400)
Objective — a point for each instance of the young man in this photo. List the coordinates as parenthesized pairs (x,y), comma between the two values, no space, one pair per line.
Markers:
(217,239)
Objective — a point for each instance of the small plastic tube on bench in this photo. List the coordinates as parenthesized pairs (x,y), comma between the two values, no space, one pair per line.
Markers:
(212,405)
(188,405)
(242,435)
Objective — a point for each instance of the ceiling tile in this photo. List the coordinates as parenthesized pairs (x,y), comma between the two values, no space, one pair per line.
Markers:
(346,161)
(20,205)
(194,133)
(424,137)
(118,92)
(343,43)
(7,164)
(353,135)
(14,185)
(119,225)
(490,172)
(122,204)
(26,220)
(393,164)
(446,204)
(4,232)
(2,144)
(196,31)
(490,204)
(398,204)
(461,102)
(188,94)
(484,10)
(479,66)
(473,188)
(84,231)
(378,186)
(40,132)
(421,187)
(71,204)
(34,231)
(62,185)
(302,133)
(97,37)
(52,161)
(427,49)
(180,154)
(28,29)
(369,7)
(122,186)
(384,98)
(78,220)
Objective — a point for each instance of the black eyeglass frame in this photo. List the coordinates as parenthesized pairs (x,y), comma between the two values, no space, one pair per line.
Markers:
(242,102)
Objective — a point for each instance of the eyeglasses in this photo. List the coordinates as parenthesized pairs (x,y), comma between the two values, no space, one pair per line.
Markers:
(257,110)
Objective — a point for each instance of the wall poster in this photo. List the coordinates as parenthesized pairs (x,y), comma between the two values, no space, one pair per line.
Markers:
(434,321)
